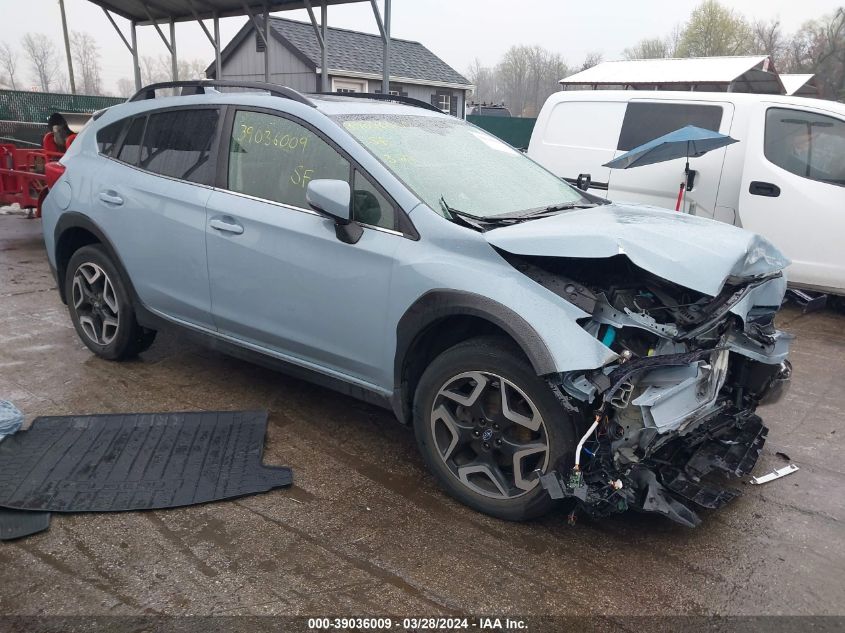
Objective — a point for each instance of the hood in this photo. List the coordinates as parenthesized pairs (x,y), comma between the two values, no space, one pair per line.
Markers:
(694,252)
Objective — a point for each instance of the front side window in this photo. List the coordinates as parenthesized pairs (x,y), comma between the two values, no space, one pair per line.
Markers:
(644,122)
(446,159)
(180,144)
(275,158)
(131,148)
(806,144)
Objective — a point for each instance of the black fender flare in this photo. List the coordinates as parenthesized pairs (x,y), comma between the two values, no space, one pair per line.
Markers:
(434,305)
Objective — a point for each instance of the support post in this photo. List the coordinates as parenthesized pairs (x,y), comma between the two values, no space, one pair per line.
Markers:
(384,30)
(266,43)
(385,84)
(67,48)
(135,62)
(174,63)
(263,32)
(218,64)
(324,60)
(319,32)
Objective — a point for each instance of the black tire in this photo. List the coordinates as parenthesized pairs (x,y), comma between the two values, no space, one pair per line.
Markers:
(500,357)
(128,338)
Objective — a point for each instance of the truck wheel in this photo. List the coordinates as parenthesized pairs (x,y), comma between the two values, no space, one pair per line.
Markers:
(485,423)
(101,308)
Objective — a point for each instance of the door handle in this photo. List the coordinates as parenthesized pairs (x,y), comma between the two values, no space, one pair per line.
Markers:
(110,197)
(767,189)
(228,227)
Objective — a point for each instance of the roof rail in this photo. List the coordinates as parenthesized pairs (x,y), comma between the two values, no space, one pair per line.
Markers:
(200,85)
(384,97)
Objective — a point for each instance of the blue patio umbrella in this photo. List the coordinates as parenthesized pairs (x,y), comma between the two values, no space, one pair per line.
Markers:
(688,142)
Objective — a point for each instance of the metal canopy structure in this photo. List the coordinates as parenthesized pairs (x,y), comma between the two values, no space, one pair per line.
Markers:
(156,13)
(707,74)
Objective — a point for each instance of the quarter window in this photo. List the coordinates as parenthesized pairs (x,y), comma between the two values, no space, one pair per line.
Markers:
(131,147)
(806,144)
(274,158)
(179,144)
(644,122)
(369,206)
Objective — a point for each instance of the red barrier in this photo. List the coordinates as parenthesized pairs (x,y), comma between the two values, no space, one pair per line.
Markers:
(22,178)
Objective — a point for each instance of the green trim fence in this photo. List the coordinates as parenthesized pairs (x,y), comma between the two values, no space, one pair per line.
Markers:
(511,129)
(35,107)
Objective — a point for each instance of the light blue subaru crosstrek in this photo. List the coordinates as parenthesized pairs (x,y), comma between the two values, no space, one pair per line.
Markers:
(545,344)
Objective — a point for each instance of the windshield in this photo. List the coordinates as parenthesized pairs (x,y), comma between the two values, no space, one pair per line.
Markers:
(445,160)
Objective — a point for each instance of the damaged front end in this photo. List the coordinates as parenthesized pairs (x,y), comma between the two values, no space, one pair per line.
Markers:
(672,419)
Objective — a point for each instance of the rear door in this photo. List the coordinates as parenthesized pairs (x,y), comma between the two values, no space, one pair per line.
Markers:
(280,277)
(658,184)
(793,189)
(151,201)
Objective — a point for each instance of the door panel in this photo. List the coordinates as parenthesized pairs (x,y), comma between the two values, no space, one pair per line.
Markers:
(280,277)
(803,216)
(287,283)
(158,228)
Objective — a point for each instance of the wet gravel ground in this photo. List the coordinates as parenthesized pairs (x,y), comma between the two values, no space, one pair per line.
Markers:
(366,531)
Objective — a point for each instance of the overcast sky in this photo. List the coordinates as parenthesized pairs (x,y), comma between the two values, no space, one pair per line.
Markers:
(456,30)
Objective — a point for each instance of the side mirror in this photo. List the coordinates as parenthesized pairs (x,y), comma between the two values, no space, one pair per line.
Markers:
(583,182)
(333,198)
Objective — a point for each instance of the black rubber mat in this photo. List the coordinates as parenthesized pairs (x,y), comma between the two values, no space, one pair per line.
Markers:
(19,523)
(142,461)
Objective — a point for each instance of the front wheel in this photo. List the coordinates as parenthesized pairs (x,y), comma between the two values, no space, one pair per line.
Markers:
(101,308)
(485,423)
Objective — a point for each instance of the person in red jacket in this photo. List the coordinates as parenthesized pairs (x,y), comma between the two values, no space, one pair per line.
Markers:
(60,136)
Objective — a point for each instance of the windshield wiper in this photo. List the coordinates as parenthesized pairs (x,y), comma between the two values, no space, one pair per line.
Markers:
(475,221)
(479,222)
(554,208)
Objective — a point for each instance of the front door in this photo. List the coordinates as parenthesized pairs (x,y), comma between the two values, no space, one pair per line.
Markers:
(793,190)
(281,280)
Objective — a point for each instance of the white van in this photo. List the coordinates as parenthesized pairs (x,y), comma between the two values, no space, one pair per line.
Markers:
(785,179)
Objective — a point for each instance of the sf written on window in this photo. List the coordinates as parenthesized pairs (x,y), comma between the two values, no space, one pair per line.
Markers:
(275,158)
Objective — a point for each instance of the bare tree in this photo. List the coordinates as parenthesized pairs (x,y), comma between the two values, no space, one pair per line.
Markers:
(819,47)
(649,48)
(593,58)
(9,64)
(125,87)
(41,53)
(86,57)
(769,40)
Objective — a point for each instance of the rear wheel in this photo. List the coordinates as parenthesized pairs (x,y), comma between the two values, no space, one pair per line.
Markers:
(101,308)
(485,423)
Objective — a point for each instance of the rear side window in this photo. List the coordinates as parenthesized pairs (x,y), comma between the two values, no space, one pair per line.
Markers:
(807,144)
(275,158)
(644,122)
(180,144)
(131,147)
(107,137)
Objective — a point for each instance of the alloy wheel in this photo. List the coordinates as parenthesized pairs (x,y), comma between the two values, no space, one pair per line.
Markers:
(489,434)
(95,303)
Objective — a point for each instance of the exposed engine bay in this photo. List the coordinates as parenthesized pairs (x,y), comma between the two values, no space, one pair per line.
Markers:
(666,425)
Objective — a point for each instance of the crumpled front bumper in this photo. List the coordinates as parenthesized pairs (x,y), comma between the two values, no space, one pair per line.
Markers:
(676,428)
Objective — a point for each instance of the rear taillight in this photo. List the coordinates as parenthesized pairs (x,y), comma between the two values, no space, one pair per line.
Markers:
(52,172)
